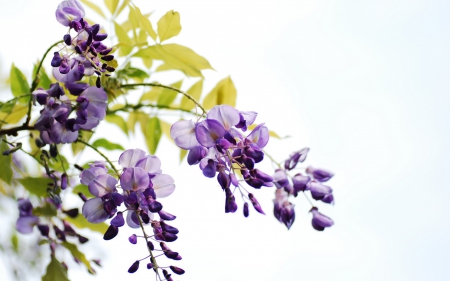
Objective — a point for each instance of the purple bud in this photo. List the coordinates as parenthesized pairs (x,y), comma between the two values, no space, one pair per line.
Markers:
(100,36)
(177,270)
(246,209)
(110,69)
(56,61)
(168,228)
(169,237)
(255,203)
(111,233)
(223,179)
(133,239)
(210,169)
(150,245)
(73,213)
(296,157)
(117,198)
(320,221)
(68,230)
(166,216)
(196,154)
(82,239)
(64,67)
(98,82)
(105,52)
(118,220)
(43,229)
(154,206)
(230,202)
(59,233)
(107,58)
(67,39)
(64,181)
(171,255)
(149,265)
(134,267)
(55,90)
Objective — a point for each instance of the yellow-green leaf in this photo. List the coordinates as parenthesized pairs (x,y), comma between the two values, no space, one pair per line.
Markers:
(152,95)
(55,271)
(78,146)
(5,163)
(146,24)
(107,144)
(124,40)
(135,117)
(112,5)
(169,25)
(94,7)
(78,255)
(133,17)
(182,154)
(18,112)
(36,186)
(147,62)
(223,93)
(124,4)
(165,127)
(177,57)
(81,222)
(167,96)
(83,189)
(195,91)
(153,134)
(19,84)
(118,120)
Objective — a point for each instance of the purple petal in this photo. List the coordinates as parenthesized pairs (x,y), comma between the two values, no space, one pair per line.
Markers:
(318,190)
(208,132)
(151,164)
(93,210)
(132,219)
(90,174)
(320,221)
(130,157)
(225,114)
(25,225)
(280,178)
(102,185)
(134,179)
(321,175)
(196,154)
(259,136)
(183,133)
(118,220)
(163,185)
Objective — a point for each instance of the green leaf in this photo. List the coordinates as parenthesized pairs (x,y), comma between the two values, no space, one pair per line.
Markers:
(44,80)
(182,154)
(83,189)
(134,73)
(6,172)
(176,57)
(107,144)
(78,255)
(78,146)
(167,96)
(19,84)
(146,24)
(223,93)
(195,91)
(112,5)
(169,25)
(7,107)
(152,95)
(152,134)
(165,127)
(94,7)
(36,186)
(59,163)
(133,17)
(81,222)
(124,40)
(17,113)
(15,242)
(55,271)
(47,210)
(118,120)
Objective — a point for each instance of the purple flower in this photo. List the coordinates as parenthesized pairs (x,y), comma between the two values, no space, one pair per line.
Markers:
(72,69)
(318,190)
(134,179)
(102,185)
(246,119)
(280,178)
(93,211)
(130,157)
(320,221)
(26,220)
(259,136)
(208,132)
(96,108)
(69,11)
(225,114)
(300,183)
(183,133)
(296,157)
(321,175)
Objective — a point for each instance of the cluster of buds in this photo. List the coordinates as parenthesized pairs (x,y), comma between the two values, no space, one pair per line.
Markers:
(221,150)
(288,186)
(54,124)
(91,55)
(142,183)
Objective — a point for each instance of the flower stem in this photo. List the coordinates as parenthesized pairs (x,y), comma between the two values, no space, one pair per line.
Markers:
(101,154)
(188,96)
(152,257)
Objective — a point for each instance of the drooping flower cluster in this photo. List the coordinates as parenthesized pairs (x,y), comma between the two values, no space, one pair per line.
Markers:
(142,183)
(55,124)
(288,186)
(221,149)
(86,54)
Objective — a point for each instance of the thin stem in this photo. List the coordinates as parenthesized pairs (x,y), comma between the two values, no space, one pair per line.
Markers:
(101,154)
(26,152)
(127,107)
(36,81)
(155,265)
(312,205)
(167,87)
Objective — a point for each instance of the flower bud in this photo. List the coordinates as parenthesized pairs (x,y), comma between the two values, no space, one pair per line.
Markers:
(134,267)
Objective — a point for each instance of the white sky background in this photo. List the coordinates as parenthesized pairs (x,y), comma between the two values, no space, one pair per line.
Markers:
(363,83)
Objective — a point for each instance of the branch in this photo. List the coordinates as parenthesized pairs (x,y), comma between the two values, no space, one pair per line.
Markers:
(13,131)
(101,154)
(167,87)
(137,106)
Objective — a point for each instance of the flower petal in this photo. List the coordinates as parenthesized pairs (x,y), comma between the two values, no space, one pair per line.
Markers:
(183,133)
(163,185)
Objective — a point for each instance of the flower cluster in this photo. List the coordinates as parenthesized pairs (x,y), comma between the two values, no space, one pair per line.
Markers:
(288,186)
(220,149)
(54,124)
(92,56)
(142,183)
